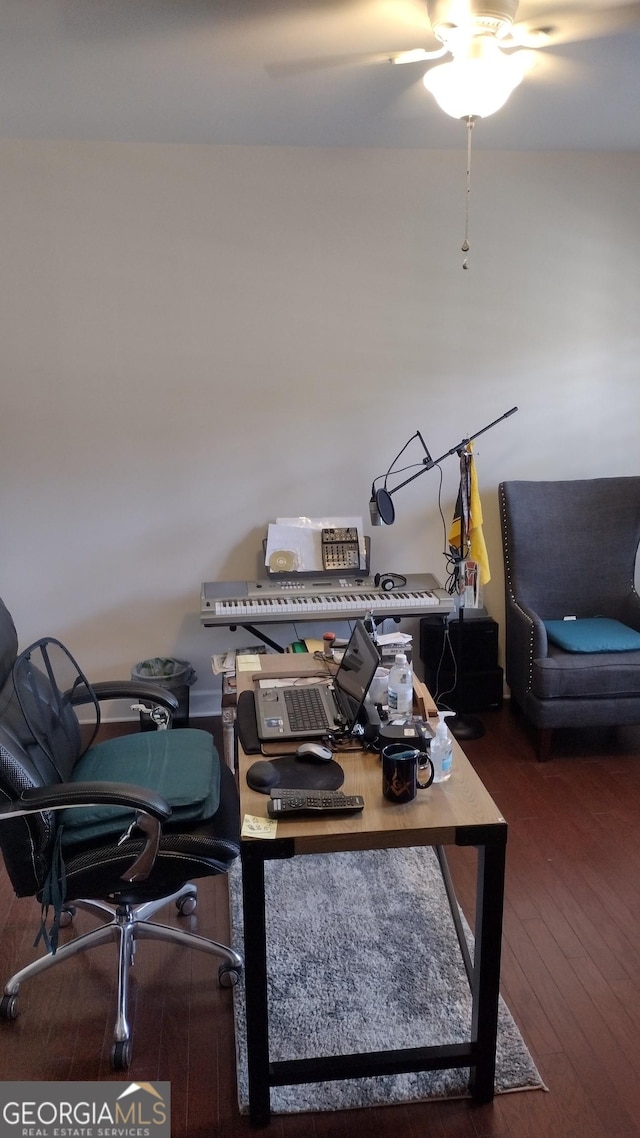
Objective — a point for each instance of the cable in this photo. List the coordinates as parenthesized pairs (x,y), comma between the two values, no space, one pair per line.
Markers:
(446,552)
(446,645)
(412,466)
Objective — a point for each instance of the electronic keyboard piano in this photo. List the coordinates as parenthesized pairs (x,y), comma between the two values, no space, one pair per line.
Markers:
(283,600)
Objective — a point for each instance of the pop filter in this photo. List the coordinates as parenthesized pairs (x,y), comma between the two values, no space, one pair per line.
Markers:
(385,506)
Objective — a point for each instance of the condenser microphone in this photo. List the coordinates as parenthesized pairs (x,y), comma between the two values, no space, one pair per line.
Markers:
(376,520)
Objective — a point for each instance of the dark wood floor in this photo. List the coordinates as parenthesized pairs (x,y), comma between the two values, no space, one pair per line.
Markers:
(571,969)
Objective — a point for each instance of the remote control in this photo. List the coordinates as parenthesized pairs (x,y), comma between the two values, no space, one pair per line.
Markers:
(287,803)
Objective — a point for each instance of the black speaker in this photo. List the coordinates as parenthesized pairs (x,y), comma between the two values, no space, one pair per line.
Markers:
(440,643)
(480,682)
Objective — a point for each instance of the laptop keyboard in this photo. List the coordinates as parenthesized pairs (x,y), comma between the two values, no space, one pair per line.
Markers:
(305,709)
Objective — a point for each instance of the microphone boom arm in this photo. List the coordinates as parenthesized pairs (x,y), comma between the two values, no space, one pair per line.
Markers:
(429,462)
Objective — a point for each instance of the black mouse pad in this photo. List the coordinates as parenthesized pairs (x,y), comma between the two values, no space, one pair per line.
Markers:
(294,775)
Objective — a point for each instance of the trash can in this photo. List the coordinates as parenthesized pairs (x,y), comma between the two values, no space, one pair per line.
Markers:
(175,675)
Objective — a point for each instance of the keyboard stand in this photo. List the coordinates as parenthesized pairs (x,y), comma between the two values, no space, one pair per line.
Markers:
(259,634)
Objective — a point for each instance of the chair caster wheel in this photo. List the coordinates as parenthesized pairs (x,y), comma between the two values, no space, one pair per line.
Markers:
(186,906)
(121,1055)
(228,976)
(9,1007)
(66,916)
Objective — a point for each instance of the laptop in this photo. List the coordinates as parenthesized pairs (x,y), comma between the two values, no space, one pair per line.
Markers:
(309,711)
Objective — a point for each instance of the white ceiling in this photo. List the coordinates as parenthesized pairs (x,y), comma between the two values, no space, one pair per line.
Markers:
(226,71)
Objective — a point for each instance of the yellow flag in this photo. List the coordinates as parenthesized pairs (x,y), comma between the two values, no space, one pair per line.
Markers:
(469,507)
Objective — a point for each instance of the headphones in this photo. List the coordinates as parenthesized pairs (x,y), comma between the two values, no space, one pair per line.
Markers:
(389,581)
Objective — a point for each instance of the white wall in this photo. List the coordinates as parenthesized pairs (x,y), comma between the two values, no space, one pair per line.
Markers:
(196,340)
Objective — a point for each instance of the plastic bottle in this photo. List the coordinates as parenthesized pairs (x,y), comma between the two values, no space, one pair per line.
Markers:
(441,750)
(400,697)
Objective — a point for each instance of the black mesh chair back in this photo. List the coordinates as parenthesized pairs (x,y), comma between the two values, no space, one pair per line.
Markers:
(43,740)
(48,682)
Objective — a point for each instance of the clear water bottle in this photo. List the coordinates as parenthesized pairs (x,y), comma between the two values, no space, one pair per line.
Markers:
(441,750)
(400,697)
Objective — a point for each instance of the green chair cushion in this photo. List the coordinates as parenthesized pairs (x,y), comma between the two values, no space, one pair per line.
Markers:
(592,634)
(183,766)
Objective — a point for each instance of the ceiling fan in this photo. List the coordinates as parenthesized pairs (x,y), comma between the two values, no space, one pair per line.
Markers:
(489,53)
(480,52)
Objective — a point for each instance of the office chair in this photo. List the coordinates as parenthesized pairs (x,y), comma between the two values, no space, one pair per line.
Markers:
(119,828)
(570,550)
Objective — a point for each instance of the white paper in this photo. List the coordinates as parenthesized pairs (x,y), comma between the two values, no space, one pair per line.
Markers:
(302,537)
(384,638)
(223,662)
(304,545)
(289,681)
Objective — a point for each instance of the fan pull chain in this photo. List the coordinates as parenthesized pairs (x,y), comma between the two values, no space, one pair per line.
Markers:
(465,243)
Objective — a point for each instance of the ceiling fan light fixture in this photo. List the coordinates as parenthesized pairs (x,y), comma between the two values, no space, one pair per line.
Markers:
(477,83)
(452,19)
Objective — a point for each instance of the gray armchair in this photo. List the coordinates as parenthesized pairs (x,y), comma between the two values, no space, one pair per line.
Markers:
(570,551)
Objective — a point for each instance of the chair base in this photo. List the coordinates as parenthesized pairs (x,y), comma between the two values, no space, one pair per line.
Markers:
(465,726)
(126,925)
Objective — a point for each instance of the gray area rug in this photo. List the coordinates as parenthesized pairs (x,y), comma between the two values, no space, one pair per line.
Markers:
(363,956)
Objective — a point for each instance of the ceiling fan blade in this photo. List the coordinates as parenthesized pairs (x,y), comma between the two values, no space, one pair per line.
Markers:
(326,62)
(419,55)
(572,25)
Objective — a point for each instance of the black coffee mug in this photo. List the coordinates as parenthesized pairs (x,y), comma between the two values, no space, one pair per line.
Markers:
(400,772)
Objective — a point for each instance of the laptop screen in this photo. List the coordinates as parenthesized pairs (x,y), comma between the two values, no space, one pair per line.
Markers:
(356,671)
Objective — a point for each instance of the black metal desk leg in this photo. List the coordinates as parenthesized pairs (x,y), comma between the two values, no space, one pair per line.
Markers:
(255,977)
(486,975)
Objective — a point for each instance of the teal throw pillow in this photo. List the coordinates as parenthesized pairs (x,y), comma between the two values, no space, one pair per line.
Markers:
(593,634)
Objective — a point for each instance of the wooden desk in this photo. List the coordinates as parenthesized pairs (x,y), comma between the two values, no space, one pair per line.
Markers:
(458,812)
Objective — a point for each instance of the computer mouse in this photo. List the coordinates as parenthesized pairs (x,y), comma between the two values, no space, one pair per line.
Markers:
(314,753)
(262,776)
